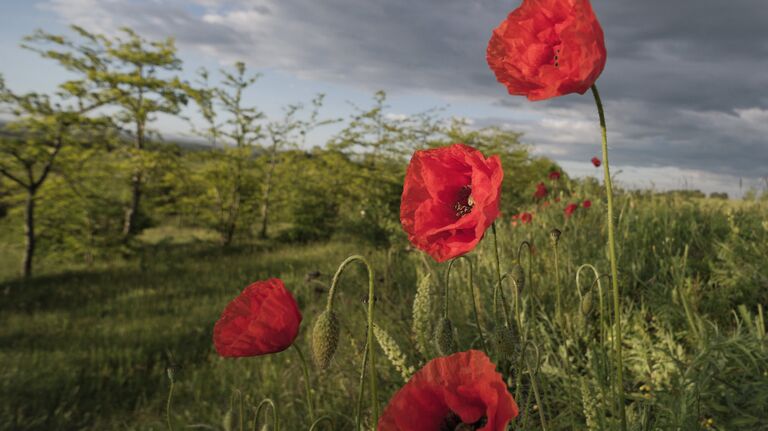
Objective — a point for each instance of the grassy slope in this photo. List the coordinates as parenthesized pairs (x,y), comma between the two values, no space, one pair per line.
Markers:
(89,348)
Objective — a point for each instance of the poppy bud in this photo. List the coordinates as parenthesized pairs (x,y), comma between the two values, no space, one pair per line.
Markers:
(325,338)
(228,421)
(586,303)
(518,277)
(554,235)
(444,340)
(171,371)
(505,342)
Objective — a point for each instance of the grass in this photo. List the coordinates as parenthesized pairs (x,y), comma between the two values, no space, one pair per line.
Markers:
(88,348)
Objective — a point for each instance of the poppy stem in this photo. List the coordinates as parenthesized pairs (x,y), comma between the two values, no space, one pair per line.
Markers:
(369,335)
(316,424)
(168,407)
(471,293)
(275,416)
(614,266)
(497,291)
(305,370)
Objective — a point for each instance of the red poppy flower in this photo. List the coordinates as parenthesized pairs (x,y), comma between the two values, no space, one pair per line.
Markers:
(586,204)
(263,319)
(526,218)
(548,48)
(596,162)
(463,388)
(570,209)
(554,175)
(541,191)
(450,197)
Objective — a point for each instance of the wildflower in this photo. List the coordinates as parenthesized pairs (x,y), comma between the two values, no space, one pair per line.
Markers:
(548,48)
(526,218)
(463,389)
(450,197)
(586,204)
(541,191)
(570,209)
(554,175)
(596,162)
(263,319)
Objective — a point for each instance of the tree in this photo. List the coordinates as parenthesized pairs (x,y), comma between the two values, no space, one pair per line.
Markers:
(134,75)
(282,133)
(31,144)
(233,129)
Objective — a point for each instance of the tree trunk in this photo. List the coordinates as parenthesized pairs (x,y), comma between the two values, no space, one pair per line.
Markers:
(29,234)
(129,224)
(132,212)
(268,190)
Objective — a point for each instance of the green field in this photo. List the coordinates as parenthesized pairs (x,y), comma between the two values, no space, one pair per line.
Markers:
(87,347)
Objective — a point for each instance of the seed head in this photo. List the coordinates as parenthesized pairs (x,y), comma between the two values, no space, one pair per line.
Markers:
(444,340)
(554,236)
(325,338)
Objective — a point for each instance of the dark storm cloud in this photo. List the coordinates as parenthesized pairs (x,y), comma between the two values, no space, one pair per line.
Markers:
(686,83)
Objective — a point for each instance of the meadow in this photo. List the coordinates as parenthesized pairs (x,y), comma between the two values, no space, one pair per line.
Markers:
(89,348)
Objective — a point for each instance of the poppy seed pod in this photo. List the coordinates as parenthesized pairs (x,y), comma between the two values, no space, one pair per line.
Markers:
(325,338)
(518,277)
(444,340)
(554,236)
(505,341)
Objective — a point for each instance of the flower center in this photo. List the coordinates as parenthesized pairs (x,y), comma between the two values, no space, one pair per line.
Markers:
(452,422)
(464,202)
(557,57)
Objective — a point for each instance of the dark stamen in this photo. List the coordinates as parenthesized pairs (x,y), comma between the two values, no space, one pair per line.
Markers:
(464,202)
(452,422)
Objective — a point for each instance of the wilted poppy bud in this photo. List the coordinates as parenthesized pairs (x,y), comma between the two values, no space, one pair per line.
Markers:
(325,338)
(518,277)
(554,236)
(444,340)
(505,341)
(586,303)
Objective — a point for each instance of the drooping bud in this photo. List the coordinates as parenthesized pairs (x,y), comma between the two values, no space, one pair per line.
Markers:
(444,340)
(325,338)
(518,277)
(505,342)
(554,236)
(586,303)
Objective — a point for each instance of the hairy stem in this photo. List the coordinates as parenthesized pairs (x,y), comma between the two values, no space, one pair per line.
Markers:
(614,265)
(305,370)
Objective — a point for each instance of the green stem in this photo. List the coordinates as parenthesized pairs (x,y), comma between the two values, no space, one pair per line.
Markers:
(471,293)
(275,416)
(320,420)
(497,291)
(558,304)
(361,390)
(614,265)
(369,335)
(168,407)
(305,370)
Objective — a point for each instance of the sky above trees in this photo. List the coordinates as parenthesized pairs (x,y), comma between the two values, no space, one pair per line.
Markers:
(684,85)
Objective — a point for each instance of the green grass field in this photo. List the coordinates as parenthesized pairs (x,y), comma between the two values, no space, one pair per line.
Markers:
(88,347)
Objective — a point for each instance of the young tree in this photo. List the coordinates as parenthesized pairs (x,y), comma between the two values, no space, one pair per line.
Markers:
(135,75)
(31,144)
(233,129)
(288,131)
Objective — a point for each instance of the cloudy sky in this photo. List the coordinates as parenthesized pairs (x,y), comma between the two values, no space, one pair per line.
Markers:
(685,86)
